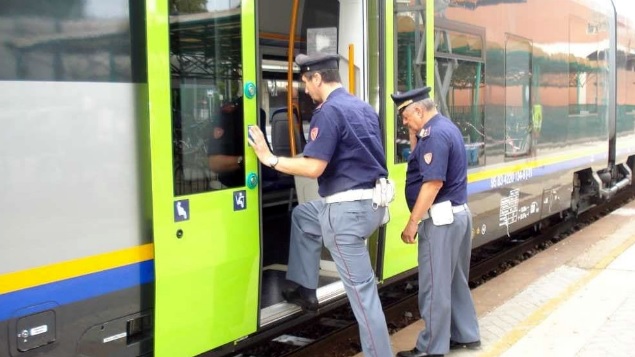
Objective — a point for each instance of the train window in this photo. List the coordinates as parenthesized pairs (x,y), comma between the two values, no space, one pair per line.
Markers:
(518,120)
(460,80)
(625,122)
(88,41)
(462,101)
(207,107)
(588,71)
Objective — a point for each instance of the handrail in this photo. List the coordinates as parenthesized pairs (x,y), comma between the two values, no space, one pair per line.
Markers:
(351,69)
(290,121)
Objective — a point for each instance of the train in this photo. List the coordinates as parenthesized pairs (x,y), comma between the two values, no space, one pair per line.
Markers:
(120,236)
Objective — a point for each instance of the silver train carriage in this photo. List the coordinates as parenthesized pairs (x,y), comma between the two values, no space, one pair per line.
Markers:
(122,235)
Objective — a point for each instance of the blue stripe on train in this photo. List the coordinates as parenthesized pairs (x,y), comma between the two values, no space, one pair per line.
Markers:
(488,183)
(39,298)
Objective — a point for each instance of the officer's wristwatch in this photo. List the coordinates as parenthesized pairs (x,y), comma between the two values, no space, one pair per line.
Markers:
(272,161)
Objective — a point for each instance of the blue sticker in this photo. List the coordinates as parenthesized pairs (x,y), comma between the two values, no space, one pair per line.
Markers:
(181,210)
(240,200)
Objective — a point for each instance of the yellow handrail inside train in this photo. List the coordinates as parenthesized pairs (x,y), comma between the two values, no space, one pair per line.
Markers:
(290,119)
(351,68)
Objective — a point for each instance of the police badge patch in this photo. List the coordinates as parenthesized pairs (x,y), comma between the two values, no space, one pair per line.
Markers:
(314,133)
(427,158)
(424,132)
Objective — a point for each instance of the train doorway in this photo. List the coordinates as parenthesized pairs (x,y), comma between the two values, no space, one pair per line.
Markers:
(286,29)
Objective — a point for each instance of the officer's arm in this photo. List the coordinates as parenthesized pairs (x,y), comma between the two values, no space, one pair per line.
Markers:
(427,194)
(301,166)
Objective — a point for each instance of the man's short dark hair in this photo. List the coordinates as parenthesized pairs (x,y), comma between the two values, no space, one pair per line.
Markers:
(328,75)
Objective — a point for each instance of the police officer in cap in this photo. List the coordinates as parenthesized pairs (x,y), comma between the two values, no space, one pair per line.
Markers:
(436,193)
(345,153)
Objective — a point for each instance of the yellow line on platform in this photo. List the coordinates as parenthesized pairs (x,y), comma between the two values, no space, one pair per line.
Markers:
(538,316)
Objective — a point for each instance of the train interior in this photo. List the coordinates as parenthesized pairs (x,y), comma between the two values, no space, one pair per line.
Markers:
(317,28)
(208,116)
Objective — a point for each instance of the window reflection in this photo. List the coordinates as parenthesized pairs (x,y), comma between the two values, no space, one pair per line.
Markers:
(207,107)
(460,44)
(89,40)
(587,63)
(458,79)
(518,128)
(410,62)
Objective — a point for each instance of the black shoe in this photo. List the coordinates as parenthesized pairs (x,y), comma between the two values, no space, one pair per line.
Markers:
(469,345)
(306,298)
(415,353)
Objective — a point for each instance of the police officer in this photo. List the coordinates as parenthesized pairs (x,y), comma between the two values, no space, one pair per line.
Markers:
(346,155)
(436,193)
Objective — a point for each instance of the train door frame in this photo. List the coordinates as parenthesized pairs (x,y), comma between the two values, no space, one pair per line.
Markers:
(206,279)
(399,258)
(359,66)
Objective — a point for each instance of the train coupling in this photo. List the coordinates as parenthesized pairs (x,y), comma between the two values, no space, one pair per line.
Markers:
(610,186)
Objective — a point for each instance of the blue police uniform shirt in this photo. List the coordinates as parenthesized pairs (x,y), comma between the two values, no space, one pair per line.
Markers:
(345,132)
(438,155)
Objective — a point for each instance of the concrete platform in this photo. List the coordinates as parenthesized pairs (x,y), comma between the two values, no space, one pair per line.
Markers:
(575,299)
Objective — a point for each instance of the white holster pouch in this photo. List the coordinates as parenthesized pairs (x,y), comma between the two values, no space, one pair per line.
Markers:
(441,213)
(383,194)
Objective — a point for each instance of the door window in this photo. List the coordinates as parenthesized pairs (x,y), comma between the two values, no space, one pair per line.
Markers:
(518,56)
(207,107)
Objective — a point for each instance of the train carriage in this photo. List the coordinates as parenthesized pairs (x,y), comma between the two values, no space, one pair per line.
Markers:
(124,232)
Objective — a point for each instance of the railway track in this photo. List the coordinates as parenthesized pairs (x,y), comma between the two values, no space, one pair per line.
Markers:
(345,342)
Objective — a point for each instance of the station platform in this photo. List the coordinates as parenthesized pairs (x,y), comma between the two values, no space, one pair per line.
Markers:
(577,298)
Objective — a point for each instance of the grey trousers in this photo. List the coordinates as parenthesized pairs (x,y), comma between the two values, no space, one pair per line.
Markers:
(445,301)
(343,227)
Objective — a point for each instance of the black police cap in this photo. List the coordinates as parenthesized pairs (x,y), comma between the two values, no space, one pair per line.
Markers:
(402,100)
(317,62)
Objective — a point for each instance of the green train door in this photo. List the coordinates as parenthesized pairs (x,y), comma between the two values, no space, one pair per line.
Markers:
(410,41)
(201,60)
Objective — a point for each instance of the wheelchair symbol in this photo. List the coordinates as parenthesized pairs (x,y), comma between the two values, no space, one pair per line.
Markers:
(240,200)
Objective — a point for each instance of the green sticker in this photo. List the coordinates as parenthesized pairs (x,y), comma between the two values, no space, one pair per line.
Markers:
(250,90)
(252,180)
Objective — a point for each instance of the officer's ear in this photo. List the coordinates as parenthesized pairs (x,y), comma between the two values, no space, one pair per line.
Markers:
(419,110)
